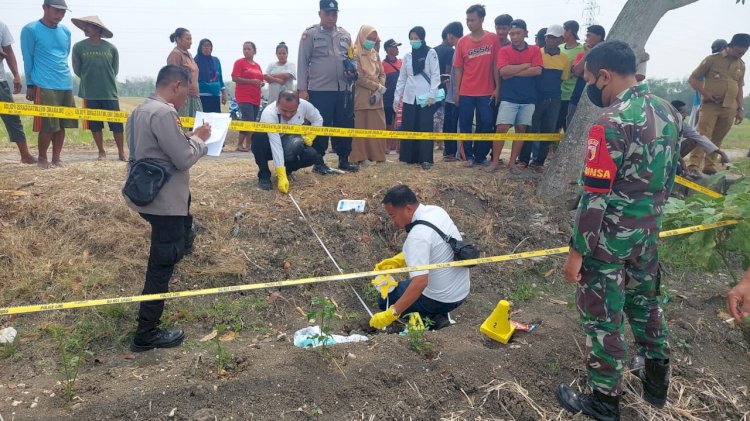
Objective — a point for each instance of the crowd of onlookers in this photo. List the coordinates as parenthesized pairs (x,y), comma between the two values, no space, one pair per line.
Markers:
(478,81)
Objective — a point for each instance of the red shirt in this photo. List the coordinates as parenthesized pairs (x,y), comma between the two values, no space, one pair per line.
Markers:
(519,89)
(477,59)
(246,93)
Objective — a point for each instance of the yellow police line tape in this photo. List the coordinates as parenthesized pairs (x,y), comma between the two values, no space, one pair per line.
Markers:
(697,187)
(73,113)
(319,279)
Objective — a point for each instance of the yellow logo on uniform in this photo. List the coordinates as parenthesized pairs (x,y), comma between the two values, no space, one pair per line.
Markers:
(593,145)
(597,173)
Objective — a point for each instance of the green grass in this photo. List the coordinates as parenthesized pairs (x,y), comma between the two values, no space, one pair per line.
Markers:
(738,137)
(524,291)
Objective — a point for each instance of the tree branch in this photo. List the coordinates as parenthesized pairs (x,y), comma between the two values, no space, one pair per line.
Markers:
(676,4)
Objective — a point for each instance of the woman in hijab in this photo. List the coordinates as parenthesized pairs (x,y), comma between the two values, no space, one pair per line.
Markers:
(180,56)
(210,80)
(418,83)
(368,97)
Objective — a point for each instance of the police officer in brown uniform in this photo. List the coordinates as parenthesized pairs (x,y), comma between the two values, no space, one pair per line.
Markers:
(154,132)
(721,98)
(323,79)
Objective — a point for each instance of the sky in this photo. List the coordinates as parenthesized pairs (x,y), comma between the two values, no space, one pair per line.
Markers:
(142,27)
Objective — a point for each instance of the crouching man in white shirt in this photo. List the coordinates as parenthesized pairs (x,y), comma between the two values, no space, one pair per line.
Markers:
(288,109)
(432,294)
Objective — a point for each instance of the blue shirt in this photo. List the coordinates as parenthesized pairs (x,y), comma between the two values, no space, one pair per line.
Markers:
(45,56)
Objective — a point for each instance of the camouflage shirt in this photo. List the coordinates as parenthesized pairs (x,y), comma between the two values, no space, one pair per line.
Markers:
(631,158)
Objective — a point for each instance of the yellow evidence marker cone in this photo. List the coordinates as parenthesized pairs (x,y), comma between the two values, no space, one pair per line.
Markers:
(498,326)
(415,322)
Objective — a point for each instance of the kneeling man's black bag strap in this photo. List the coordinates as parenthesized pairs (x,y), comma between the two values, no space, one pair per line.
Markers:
(461,250)
(145,178)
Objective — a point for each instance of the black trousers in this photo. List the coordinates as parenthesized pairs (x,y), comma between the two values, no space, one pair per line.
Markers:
(337,109)
(169,237)
(450,125)
(417,119)
(261,148)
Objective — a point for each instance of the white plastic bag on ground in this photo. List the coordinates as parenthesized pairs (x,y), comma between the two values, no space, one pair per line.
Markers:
(307,338)
(7,335)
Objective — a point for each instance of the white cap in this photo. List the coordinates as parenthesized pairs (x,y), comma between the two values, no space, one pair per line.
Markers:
(555,31)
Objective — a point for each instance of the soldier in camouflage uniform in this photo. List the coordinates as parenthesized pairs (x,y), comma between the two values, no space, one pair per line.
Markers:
(631,159)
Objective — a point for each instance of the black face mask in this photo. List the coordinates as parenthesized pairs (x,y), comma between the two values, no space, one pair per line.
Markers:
(595,94)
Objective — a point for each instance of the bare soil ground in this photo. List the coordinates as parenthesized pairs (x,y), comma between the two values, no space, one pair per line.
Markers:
(69,236)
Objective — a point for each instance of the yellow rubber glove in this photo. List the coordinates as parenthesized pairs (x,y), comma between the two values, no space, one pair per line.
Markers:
(283,184)
(308,139)
(384,318)
(394,262)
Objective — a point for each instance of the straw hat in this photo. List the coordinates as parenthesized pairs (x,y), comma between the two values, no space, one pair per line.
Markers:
(93,20)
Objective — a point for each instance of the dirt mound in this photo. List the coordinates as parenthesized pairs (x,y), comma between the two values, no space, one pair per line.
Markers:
(69,236)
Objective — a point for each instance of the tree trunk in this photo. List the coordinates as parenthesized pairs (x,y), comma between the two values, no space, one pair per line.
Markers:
(634,25)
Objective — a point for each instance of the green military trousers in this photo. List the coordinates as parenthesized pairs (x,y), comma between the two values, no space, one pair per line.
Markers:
(605,292)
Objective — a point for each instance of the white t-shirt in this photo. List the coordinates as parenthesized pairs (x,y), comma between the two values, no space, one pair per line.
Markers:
(424,246)
(270,114)
(275,88)
(6,39)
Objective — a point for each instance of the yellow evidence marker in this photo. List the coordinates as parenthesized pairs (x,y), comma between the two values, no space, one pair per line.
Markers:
(498,326)
(415,322)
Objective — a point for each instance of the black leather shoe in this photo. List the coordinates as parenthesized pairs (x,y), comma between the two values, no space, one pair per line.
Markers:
(439,321)
(348,166)
(157,338)
(426,166)
(655,379)
(322,169)
(597,406)
(264,184)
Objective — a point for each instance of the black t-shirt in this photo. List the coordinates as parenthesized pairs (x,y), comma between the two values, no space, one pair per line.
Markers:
(445,61)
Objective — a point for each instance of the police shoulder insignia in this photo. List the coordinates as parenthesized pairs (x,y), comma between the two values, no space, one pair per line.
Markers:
(600,170)
(179,124)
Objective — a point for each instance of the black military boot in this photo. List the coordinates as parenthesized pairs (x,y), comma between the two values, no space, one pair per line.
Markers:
(345,165)
(596,405)
(655,379)
(148,336)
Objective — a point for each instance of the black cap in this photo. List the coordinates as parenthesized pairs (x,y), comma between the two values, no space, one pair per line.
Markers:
(597,30)
(718,46)
(328,5)
(391,43)
(518,23)
(542,33)
(503,20)
(740,40)
(571,26)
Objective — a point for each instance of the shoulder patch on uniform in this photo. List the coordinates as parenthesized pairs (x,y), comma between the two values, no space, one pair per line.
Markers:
(599,170)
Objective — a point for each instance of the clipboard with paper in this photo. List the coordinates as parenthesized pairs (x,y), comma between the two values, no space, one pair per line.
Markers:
(219,123)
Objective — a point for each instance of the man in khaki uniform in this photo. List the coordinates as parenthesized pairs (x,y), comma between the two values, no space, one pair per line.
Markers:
(323,80)
(721,98)
(154,132)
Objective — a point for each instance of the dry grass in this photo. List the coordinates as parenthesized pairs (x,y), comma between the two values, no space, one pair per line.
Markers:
(701,398)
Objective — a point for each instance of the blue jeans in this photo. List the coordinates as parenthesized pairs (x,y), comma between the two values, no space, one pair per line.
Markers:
(426,307)
(468,107)
(450,125)
(545,119)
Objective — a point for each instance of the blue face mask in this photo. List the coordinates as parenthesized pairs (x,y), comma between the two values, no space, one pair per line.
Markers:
(415,44)
(369,45)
